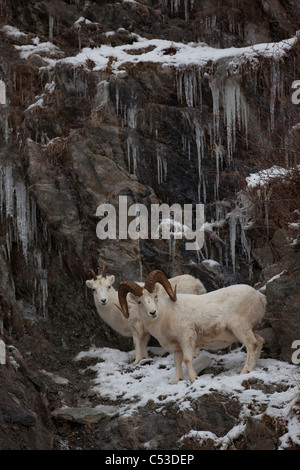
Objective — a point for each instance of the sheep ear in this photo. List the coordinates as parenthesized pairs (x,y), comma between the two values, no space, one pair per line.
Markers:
(112,279)
(131,297)
(90,283)
(157,288)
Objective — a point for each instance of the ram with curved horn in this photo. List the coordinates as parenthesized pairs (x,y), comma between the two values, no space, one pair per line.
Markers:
(107,304)
(211,321)
(158,276)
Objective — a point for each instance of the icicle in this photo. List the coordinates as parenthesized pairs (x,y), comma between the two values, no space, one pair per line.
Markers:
(175,5)
(277,90)
(102,96)
(2,352)
(179,86)
(33,216)
(6,132)
(215,91)
(40,283)
(162,167)
(246,245)
(219,161)
(131,155)
(47,236)
(2,92)
(189,88)
(242,111)
(189,82)
(200,145)
(23,216)
(44,294)
(159,169)
(9,191)
(8,239)
(51,23)
(186,10)
(232,235)
(236,113)
(204,188)
(230,117)
(132,117)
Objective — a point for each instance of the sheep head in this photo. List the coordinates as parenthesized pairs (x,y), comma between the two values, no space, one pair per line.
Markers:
(145,296)
(101,285)
(124,288)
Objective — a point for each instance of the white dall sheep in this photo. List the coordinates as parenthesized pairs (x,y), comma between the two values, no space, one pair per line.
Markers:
(211,321)
(107,304)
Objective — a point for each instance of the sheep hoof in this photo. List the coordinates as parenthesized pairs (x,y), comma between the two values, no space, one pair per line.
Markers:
(176,381)
(143,361)
(245,371)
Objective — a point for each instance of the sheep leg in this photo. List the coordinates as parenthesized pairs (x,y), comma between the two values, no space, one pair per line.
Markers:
(140,346)
(188,350)
(190,368)
(144,341)
(178,357)
(260,341)
(253,345)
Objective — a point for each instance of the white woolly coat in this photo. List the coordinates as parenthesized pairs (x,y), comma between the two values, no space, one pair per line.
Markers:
(211,321)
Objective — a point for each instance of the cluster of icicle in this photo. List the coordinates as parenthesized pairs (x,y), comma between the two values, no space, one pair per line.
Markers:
(213,138)
(18,215)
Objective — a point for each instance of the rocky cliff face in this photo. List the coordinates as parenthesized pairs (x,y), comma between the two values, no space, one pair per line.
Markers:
(165,101)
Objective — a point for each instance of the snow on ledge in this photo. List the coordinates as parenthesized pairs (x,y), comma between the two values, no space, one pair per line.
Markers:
(277,276)
(13,31)
(159,51)
(264,176)
(175,54)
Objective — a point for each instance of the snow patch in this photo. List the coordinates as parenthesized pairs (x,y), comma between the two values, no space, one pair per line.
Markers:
(264,176)
(13,31)
(167,53)
(277,276)
(45,48)
(134,386)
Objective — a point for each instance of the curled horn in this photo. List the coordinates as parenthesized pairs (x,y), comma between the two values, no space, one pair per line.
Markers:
(104,271)
(93,274)
(160,277)
(124,288)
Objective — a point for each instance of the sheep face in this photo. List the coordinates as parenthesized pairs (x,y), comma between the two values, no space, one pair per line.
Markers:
(148,303)
(145,296)
(102,288)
